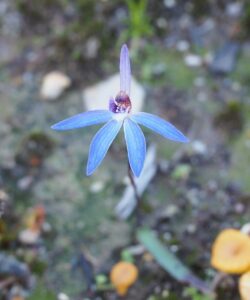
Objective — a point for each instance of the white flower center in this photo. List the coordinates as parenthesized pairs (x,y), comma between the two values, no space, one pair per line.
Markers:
(120,117)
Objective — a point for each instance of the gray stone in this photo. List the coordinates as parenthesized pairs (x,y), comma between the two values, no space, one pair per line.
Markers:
(91,48)
(234,9)
(225,58)
(10,266)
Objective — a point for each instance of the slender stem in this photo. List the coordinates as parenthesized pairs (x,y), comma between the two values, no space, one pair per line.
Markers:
(219,277)
(8,281)
(137,197)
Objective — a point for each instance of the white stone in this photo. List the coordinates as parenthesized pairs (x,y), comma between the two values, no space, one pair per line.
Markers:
(25,182)
(182,45)
(169,3)
(62,296)
(246,228)
(170,211)
(54,84)
(98,95)
(136,250)
(199,147)
(191,228)
(29,237)
(193,60)
(97,186)
(234,9)
(46,227)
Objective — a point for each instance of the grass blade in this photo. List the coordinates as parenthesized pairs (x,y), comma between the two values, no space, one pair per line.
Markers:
(169,261)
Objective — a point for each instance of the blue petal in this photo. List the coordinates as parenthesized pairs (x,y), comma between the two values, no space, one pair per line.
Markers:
(136,146)
(88,118)
(160,126)
(125,70)
(101,143)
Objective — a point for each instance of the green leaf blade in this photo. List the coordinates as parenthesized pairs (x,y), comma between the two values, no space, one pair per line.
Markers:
(168,261)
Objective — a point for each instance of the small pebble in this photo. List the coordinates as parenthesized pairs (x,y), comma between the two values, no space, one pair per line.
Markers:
(148,257)
(239,208)
(162,23)
(199,147)
(181,172)
(136,250)
(174,248)
(212,186)
(53,85)
(170,211)
(234,9)
(25,182)
(193,197)
(191,228)
(199,82)
(236,86)
(157,289)
(246,228)
(62,296)
(193,60)
(29,237)
(165,293)
(92,46)
(202,97)
(97,187)
(164,165)
(182,46)
(159,69)
(169,3)
(46,227)
(167,236)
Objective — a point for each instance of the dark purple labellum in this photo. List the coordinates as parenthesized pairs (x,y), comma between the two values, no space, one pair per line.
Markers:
(121,104)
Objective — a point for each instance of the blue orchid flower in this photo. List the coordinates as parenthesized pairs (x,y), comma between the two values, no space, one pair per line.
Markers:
(120,114)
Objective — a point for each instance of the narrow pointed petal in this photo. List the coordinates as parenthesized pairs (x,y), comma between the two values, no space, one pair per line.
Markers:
(125,70)
(160,126)
(100,144)
(88,118)
(136,146)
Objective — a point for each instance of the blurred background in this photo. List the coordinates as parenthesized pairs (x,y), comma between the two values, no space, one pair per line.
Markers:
(60,231)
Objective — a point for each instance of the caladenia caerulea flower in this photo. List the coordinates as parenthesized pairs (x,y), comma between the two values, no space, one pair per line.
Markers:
(120,114)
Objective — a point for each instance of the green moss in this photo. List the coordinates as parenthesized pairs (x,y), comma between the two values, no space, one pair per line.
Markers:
(242,72)
(230,119)
(34,148)
(42,293)
(38,266)
(35,11)
(200,8)
(171,68)
(246,18)
(193,294)
(166,149)
(241,155)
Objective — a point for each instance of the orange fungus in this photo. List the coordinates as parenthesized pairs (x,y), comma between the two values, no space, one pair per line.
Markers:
(122,276)
(244,286)
(231,252)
